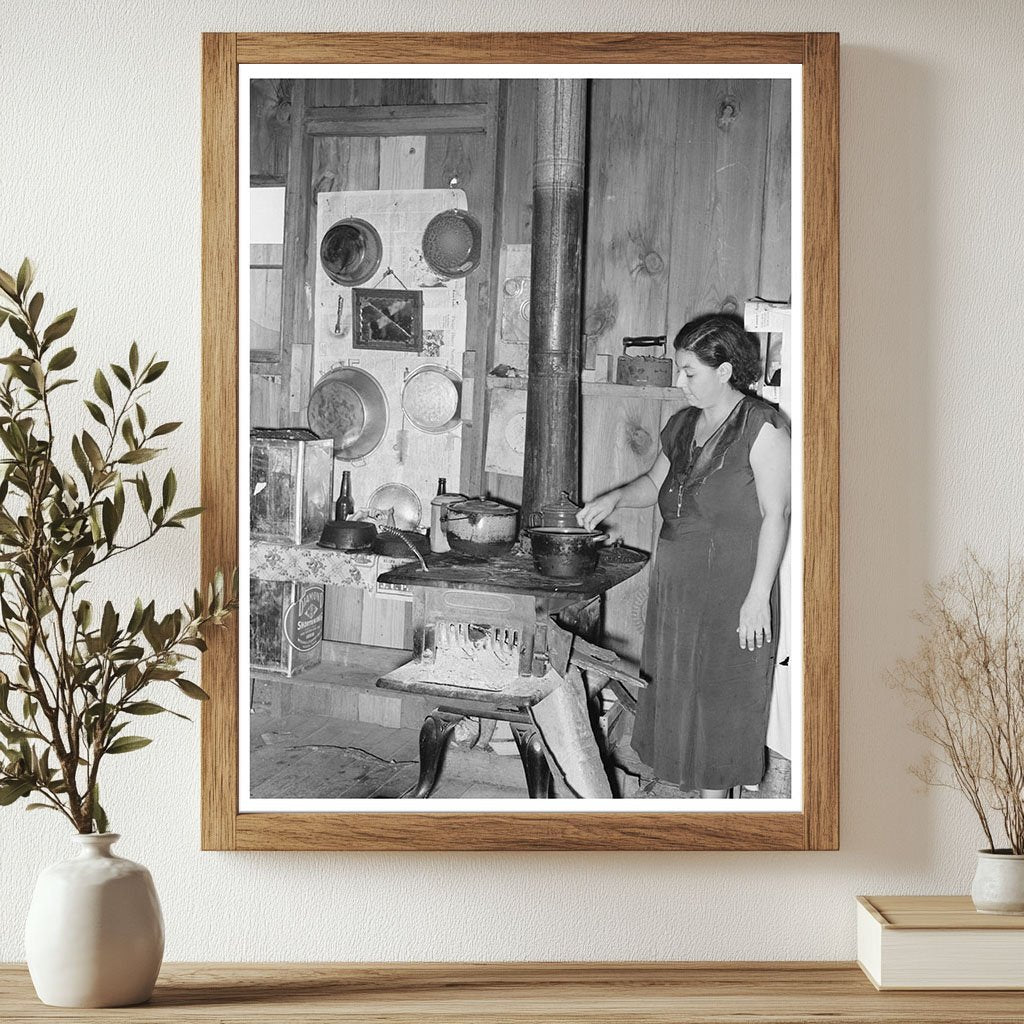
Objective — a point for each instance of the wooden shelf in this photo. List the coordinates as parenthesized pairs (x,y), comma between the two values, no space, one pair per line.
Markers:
(595,387)
(524,993)
(343,662)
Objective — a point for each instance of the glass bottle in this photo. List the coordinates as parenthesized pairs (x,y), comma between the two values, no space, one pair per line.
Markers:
(345,508)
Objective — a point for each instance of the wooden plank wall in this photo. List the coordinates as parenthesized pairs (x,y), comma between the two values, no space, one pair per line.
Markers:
(629,213)
(270,110)
(688,199)
(774,280)
(516,222)
(269,107)
(688,213)
(718,212)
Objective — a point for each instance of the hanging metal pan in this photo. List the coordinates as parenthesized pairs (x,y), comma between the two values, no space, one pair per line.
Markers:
(350,251)
(399,500)
(432,399)
(349,405)
(451,243)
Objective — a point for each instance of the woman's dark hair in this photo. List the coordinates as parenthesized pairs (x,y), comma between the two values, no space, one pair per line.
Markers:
(717,338)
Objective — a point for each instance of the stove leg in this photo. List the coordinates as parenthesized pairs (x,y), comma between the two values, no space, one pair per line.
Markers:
(535,762)
(435,733)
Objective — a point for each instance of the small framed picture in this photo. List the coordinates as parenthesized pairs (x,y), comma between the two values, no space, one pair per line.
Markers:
(388,319)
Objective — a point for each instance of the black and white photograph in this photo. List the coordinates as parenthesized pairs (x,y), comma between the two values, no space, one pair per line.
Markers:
(522,527)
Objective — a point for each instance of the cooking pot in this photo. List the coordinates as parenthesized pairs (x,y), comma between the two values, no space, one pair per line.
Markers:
(349,405)
(565,552)
(561,513)
(350,251)
(400,543)
(480,527)
(348,535)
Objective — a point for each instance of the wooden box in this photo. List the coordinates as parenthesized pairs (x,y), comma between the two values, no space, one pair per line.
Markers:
(938,942)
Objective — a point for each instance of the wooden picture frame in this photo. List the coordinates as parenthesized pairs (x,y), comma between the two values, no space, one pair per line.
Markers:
(816,826)
(389,320)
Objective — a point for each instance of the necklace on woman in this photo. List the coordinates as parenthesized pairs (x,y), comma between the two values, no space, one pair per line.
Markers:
(712,429)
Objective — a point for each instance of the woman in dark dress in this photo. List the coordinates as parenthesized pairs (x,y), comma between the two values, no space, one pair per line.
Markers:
(722,486)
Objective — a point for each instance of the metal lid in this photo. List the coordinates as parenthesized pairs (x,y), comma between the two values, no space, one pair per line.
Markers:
(475,506)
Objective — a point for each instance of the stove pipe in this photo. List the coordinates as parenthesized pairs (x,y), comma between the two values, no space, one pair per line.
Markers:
(552,458)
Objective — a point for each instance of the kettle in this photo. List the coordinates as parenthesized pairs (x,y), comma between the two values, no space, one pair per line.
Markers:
(559,514)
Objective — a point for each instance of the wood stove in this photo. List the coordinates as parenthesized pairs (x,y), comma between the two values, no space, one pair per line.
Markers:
(483,623)
(481,644)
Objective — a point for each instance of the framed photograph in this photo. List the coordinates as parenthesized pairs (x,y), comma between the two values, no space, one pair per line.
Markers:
(607,266)
(387,319)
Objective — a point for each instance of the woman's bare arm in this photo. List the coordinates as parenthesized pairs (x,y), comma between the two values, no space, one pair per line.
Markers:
(769,460)
(638,493)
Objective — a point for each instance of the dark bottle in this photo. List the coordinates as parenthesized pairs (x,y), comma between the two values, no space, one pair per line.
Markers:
(442,485)
(344,508)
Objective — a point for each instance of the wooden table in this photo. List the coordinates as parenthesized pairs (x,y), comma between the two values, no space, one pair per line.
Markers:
(614,993)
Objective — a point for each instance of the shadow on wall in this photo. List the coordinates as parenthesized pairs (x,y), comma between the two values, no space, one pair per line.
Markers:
(888,389)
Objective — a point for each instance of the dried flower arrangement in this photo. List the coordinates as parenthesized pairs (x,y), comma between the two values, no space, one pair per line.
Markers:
(967,682)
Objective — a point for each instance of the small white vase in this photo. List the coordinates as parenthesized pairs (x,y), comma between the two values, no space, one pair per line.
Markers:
(999,882)
(95,934)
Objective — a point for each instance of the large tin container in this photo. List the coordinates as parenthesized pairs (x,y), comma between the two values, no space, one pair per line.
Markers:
(291,480)
(286,625)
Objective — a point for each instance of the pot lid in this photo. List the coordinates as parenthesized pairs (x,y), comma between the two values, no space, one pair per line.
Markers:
(482,505)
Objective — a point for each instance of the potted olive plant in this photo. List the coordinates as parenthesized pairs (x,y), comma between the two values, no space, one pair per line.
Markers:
(967,683)
(80,672)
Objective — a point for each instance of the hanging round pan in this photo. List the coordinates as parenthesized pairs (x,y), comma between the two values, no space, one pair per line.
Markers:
(349,405)
(432,399)
(451,243)
(401,501)
(350,251)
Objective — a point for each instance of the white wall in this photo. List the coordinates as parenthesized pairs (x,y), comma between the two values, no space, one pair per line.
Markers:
(99,182)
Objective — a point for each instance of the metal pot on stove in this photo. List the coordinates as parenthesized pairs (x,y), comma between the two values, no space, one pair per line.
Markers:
(565,552)
(480,527)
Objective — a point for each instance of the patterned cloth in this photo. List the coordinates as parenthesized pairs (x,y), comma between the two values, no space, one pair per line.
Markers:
(310,563)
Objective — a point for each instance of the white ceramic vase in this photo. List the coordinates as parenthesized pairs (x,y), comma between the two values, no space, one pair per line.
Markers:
(999,883)
(95,934)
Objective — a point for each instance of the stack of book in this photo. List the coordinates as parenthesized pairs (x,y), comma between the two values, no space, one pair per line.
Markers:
(938,942)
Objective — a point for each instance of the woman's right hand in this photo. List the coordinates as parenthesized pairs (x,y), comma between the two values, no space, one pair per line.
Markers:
(598,509)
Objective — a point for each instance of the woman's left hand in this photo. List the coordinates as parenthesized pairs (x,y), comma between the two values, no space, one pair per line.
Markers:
(755,629)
